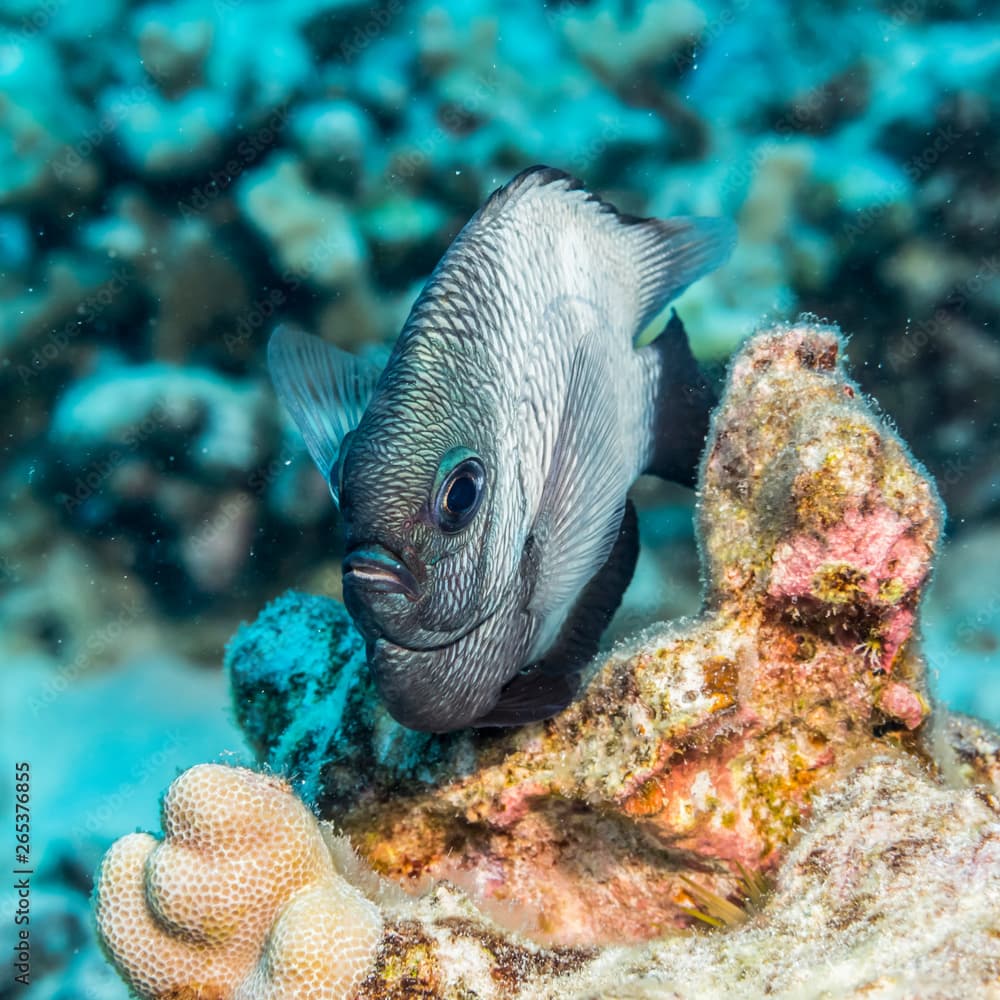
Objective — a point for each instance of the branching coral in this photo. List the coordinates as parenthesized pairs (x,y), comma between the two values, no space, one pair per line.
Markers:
(694,756)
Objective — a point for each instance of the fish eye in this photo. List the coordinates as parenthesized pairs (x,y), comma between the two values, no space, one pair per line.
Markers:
(461,483)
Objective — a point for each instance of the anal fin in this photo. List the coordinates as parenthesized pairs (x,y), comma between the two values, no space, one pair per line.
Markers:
(547,687)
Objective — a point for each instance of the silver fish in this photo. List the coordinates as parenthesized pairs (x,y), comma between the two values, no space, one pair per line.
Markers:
(482,476)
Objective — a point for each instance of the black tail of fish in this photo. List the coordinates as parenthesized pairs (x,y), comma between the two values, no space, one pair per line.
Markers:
(683,407)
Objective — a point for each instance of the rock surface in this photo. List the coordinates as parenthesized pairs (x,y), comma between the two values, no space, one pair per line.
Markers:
(572,857)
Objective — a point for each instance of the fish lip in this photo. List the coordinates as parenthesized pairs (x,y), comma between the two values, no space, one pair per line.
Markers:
(375,568)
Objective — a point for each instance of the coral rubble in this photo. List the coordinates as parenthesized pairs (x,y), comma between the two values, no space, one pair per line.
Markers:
(539,860)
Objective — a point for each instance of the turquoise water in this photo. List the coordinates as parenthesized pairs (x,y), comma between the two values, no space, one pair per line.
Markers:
(175,179)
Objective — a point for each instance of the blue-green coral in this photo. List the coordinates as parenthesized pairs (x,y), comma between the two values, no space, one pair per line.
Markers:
(303,696)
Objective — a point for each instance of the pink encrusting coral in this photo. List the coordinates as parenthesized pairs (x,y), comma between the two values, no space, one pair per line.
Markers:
(692,760)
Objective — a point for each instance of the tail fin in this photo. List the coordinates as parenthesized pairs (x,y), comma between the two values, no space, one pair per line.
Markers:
(684,403)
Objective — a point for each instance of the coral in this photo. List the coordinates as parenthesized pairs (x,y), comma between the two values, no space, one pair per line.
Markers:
(700,748)
(299,715)
(261,870)
(853,144)
(619,52)
(183,446)
(694,757)
(865,901)
(313,235)
(887,893)
(39,136)
(336,139)
(194,279)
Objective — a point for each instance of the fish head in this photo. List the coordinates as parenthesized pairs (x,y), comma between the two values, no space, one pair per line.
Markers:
(417,501)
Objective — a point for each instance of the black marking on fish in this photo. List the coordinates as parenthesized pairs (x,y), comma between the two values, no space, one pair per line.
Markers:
(683,407)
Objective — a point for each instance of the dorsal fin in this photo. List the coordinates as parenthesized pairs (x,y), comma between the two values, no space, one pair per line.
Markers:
(532,177)
(665,256)
(325,390)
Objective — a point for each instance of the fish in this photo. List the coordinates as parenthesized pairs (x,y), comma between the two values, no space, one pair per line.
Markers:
(482,474)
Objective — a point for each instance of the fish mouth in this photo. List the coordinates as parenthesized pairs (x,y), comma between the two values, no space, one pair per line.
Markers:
(377,570)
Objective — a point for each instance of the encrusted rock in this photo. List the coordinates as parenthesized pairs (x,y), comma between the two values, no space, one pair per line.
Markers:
(547,860)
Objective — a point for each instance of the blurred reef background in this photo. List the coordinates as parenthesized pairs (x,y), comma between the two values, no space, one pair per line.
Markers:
(176,178)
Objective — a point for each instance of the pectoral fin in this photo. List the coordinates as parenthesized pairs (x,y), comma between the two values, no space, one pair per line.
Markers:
(583,499)
(325,390)
(531,696)
(549,686)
